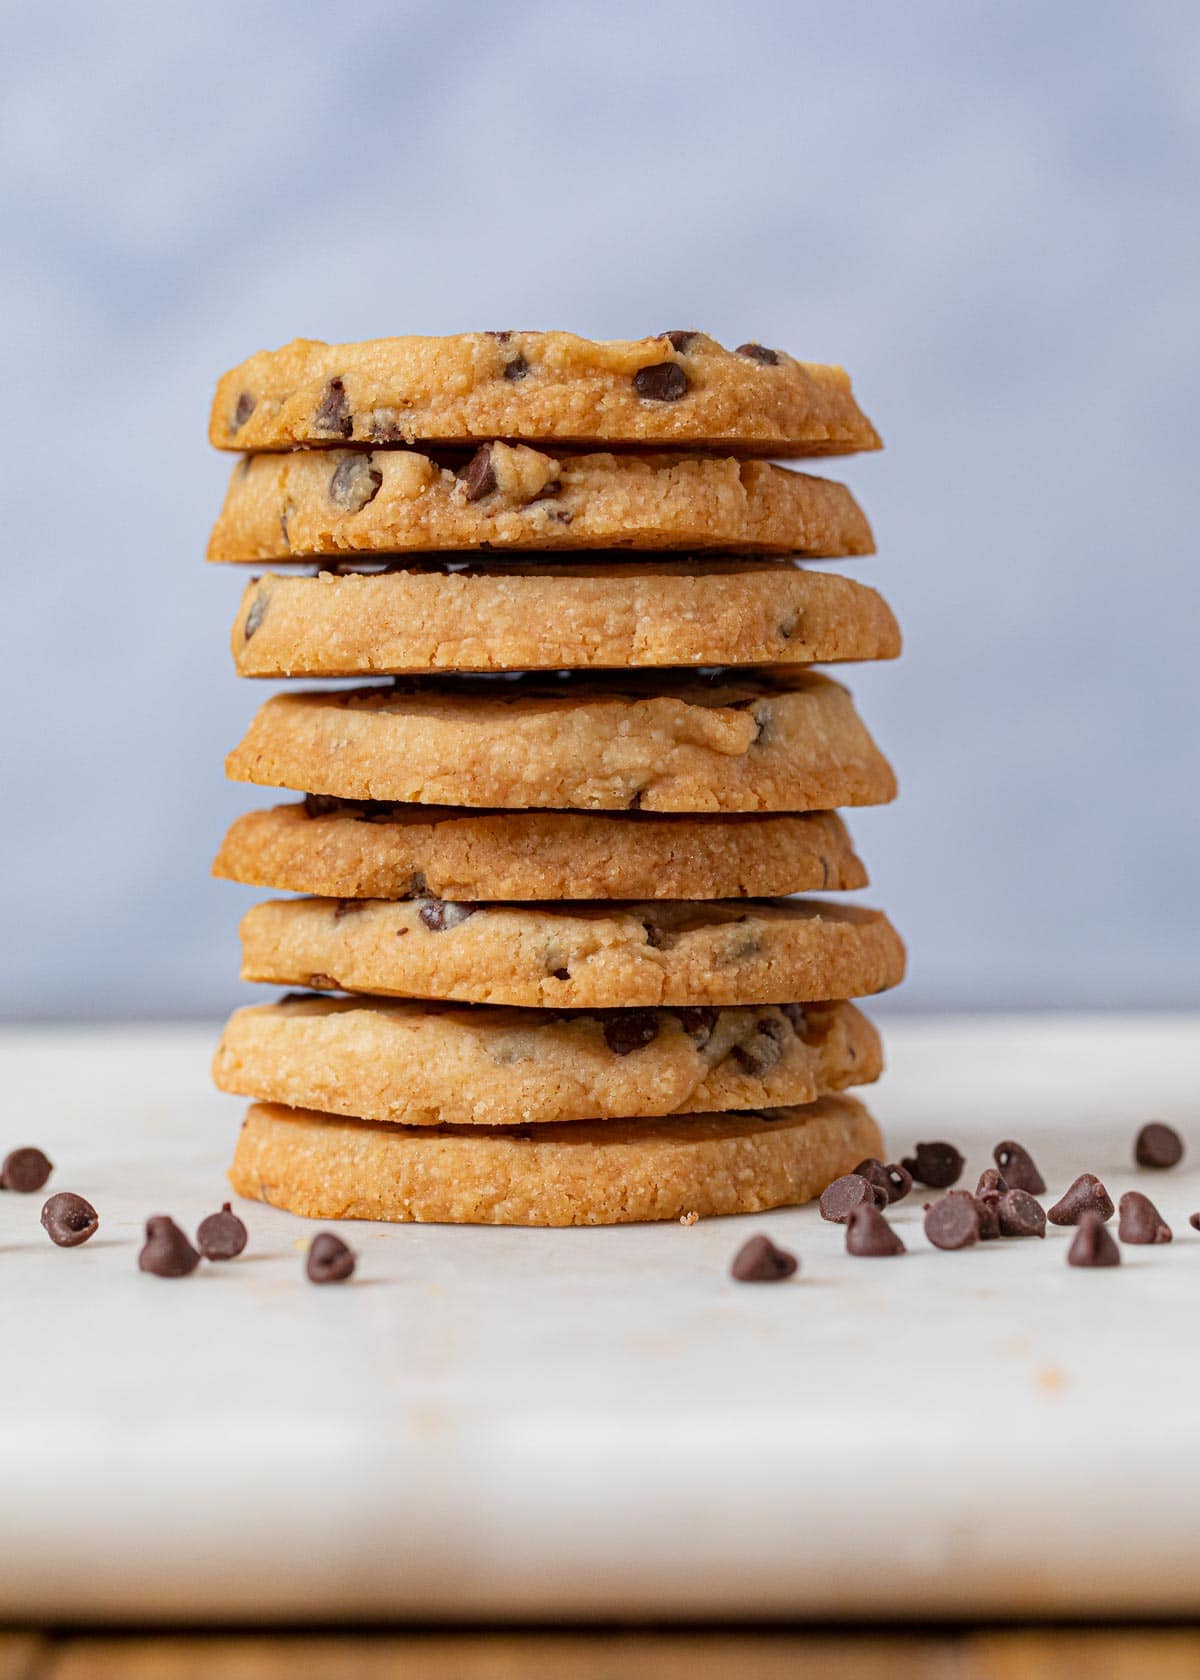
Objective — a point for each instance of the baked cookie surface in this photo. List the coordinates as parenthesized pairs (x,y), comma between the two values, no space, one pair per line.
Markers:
(592,1173)
(678,388)
(422,1064)
(338,849)
(776,740)
(596,956)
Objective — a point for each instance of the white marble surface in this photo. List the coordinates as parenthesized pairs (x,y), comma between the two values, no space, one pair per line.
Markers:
(598,1422)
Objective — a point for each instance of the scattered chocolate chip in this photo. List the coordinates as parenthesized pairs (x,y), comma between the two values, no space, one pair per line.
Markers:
(900,1181)
(355,482)
(937,1164)
(759,1261)
(166,1251)
(839,1199)
(1019,1169)
(1021,1215)
(991,1183)
(25,1170)
(664,382)
(1158,1145)
(987,1209)
(1086,1195)
(698,1023)
(1140,1221)
(1194,1221)
(629,1030)
(869,1235)
(258,611)
(221,1236)
(517,368)
(1092,1244)
(478,478)
(68,1220)
(681,341)
(328,1259)
(952,1222)
(243,411)
(875,1173)
(437,915)
(759,353)
(333,416)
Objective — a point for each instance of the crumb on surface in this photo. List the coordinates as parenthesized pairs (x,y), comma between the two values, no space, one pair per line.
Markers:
(691,1217)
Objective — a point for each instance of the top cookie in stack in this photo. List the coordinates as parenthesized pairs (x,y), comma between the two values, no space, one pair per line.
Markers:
(552,901)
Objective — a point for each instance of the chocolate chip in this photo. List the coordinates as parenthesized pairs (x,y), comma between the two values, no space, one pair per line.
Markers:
(629,1030)
(355,482)
(328,1259)
(869,1235)
(664,382)
(953,1222)
(243,411)
(1021,1215)
(437,915)
(320,805)
(759,1261)
(1158,1145)
(1019,1169)
(937,1164)
(560,974)
(797,1017)
(875,1173)
(899,1180)
(655,937)
(477,477)
(517,368)
(681,341)
(68,1220)
(987,1210)
(166,1252)
(1140,1221)
(258,611)
(349,907)
(852,1190)
(760,1056)
(1086,1195)
(25,1170)
(759,353)
(991,1183)
(1092,1244)
(221,1236)
(333,416)
(698,1023)
(1194,1221)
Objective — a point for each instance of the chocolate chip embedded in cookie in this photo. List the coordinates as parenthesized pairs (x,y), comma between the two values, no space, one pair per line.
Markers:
(682,389)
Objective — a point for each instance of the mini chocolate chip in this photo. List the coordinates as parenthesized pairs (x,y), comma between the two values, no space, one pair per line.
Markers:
(1158,1145)
(900,1181)
(953,1221)
(759,1261)
(681,341)
(1093,1244)
(560,974)
(332,415)
(1194,1221)
(477,477)
(991,1183)
(1021,1215)
(1086,1195)
(243,411)
(987,1208)
(629,1030)
(517,368)
(655,936)
(869,1235)
(937,1164)
(258,611)
(839,1199)
(1019,1169)
(221,1236)
(1140,1221)
(698,1023)
(759,353)
(437,915)
(166,1252)
(355,482)
(875,1173)
(68,1220)
(328,1259)
(324,983)
(664,382)
(25,1170)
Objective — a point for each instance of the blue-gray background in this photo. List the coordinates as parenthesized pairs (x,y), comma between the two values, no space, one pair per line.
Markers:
(988,212)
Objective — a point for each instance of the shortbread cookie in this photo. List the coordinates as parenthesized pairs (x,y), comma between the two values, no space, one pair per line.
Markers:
(547,618)
(505,496)
(338,849)
(678,389)
(609,1172)
(595,956)
(421,1064)
(776,741)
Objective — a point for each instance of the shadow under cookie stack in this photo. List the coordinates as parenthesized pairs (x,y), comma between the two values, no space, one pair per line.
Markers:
(544,870)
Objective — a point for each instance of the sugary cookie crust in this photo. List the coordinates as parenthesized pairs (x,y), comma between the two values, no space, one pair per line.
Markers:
(601,956)
(681,389)
(538,618)
(784,740)
(339,849)
(421,1064)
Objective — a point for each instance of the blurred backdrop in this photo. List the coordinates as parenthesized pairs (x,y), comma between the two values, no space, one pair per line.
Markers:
(988,212)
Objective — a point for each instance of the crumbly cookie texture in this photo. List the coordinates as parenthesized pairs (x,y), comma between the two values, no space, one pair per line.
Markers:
(539,618)
(679,389)
(421,1064)
(598,956)
(598,1173)
(781,740)
(508,496)
(338,849)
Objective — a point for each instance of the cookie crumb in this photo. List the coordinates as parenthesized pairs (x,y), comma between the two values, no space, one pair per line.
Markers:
(691,1217)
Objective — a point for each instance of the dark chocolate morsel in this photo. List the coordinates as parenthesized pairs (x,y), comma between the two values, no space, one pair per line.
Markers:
(987,1208)
(333,415)
(517,368)
(839,1199)
(355,482)
(1158,1145)
(681,341)
(437,915)
(1139,1220)
(1086,1195)
(698,1022)
(478,478)
(243,411)
(900,1181)
(869,1235)
(1092,1244)
(166,1251)
(1194,1221)
(328,1259)
(1021,1215)
(759,1261)
(953,1222)
(663,382)
(759,353)
(25,1170)
(991,1183)
(1019,1169)
(629,1030)
(221,1236)
(68,1220)
(937,1164)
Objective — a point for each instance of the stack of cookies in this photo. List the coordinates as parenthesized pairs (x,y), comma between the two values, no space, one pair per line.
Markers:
(551,970)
